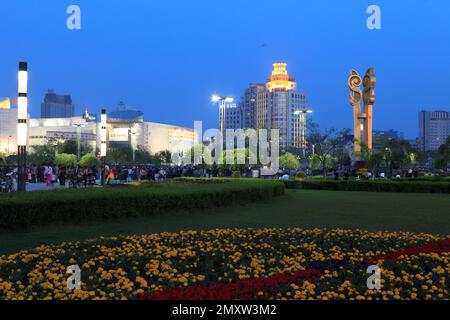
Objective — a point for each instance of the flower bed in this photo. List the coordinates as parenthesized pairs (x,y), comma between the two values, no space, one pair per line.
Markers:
(235,264)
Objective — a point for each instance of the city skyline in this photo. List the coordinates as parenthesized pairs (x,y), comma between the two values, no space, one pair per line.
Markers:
(149,67)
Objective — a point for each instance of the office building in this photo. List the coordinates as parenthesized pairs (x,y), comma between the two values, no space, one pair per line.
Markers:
(434,128)
(249,105)
(57,106)
(233,117)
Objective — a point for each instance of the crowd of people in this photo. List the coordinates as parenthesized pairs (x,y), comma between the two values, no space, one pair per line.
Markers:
(81,177)
(77,177)
(49,175)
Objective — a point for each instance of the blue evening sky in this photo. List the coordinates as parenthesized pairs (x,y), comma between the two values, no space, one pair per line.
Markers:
(168,57)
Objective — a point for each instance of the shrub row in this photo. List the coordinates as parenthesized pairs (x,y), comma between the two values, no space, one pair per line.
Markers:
(374,186)
(18,211)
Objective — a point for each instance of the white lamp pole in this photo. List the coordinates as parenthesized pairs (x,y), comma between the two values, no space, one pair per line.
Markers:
(222,103)
(22,127)
(79,126)
(103,141)
(133,143)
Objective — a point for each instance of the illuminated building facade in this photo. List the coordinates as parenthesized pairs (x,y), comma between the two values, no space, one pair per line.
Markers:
(41,131)
(281,106)
(8,131)
(125,127)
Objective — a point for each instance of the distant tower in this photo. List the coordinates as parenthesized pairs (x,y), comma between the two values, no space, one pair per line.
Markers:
(57,106)
(362,118)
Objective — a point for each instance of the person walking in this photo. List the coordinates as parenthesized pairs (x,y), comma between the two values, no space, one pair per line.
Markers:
(85,175)
(62,176)
(48,174)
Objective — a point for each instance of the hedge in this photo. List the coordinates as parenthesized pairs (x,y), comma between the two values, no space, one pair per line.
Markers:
(375,186)
(18,211)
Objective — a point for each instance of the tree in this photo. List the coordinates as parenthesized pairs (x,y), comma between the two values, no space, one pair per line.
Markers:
(396,154)
(44,154)
(71,147)
(317,162)
(325,145)
(373,159)
(66,160)
(289,161)
(143,156)
(237,154)
(90,160)
(164,156)
(195,154)
(11,159)
(443,156)
(119,154)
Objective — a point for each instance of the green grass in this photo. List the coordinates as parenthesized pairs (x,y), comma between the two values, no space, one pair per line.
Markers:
(372,211)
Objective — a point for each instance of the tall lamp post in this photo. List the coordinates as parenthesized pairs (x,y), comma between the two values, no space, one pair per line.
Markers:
(103,139)
(133,143)
(222,103)
(22,127)
(79,126)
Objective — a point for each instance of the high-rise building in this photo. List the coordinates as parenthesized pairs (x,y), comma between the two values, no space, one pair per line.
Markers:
(281,106)
(249,105)
(434,128)
(233,117)
(57,106)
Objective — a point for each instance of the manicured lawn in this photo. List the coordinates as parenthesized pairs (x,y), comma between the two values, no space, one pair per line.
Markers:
(371,211)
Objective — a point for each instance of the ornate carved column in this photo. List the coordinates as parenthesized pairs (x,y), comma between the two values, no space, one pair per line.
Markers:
(355,96)
(369,100)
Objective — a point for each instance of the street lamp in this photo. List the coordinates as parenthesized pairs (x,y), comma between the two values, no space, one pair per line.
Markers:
(133,143)
(22,126)
(79,126)
(103,139)
(222,102)
(301,141)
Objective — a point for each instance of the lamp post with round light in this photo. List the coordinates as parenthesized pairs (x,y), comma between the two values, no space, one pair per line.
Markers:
(22,126)
(222,104)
